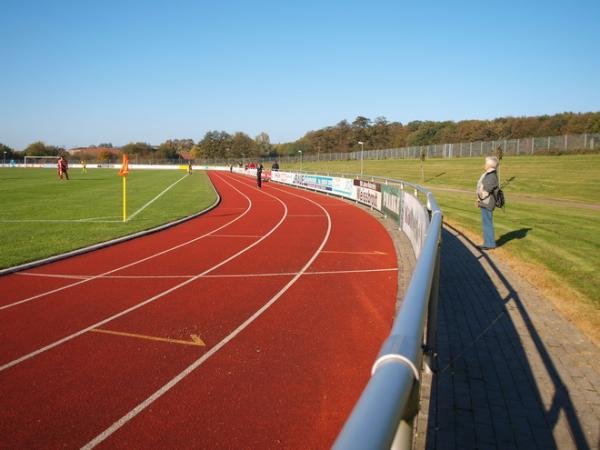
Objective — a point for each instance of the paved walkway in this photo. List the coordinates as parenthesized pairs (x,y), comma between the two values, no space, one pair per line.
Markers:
(511,372)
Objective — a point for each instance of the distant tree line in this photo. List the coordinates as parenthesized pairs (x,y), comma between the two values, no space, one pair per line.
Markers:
(379,133)
(343,137)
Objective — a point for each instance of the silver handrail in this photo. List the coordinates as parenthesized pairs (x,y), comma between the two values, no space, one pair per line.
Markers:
(384,414)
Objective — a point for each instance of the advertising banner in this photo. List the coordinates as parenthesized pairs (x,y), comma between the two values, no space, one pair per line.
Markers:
(368,193)
(391,201)
(415,221)
(334,185)
(283,177)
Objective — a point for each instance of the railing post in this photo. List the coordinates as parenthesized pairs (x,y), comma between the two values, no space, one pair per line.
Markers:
(432,312)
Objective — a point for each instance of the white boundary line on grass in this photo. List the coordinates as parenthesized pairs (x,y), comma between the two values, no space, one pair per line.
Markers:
(155,198)
(153,298)
(90,220)
(181,375)
(93,247)
(133,263)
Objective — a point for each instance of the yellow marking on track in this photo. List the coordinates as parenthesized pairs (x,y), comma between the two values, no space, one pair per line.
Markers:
(195,339)
(374,252)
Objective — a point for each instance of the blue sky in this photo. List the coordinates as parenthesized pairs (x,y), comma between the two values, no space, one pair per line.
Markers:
(83,72)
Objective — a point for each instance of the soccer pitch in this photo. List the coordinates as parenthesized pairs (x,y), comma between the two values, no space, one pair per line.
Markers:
(42,216)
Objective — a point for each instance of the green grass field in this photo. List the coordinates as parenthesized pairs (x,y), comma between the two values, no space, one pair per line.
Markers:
(552,217)
(41,216)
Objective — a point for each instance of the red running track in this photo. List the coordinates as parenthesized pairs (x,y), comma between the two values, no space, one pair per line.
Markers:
(291,292)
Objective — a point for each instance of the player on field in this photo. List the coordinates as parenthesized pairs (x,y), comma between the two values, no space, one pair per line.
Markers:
(63,168)
(189,166)
(83,166)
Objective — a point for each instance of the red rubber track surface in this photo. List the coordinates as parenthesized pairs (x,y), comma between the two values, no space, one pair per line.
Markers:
(287,380)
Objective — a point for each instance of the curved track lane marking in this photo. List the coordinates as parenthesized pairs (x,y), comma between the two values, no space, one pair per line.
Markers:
(174,381)
(236,275)
(133,263)
(153,298)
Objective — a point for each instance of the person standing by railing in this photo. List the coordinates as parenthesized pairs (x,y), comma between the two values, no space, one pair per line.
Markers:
(486,186)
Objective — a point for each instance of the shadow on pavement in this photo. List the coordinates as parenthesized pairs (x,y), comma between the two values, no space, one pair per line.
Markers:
(484,393)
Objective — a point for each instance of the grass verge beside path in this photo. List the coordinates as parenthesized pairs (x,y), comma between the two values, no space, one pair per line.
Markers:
(560,239)
(41,216)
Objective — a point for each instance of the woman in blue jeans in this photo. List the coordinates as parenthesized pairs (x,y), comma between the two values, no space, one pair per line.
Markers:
(486,202)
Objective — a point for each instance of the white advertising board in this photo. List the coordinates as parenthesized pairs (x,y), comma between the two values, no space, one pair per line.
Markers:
(415,221)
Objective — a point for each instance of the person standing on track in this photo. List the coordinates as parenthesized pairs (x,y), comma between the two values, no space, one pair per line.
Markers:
(63,168)
(486,186)
(259,169)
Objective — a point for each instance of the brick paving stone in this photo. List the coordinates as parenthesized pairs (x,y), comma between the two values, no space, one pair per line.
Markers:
(512,372)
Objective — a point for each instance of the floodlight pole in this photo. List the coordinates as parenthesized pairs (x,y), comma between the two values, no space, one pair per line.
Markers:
(301,159)
(362,151)
(4,161)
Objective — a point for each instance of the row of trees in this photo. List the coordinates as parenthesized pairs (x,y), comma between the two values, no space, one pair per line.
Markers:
(220,144)
(343,137)
(380,133)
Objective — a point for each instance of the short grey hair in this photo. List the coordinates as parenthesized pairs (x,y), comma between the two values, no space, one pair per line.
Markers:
(491,161)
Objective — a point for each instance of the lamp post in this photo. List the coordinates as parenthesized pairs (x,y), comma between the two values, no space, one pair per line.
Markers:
(301,159)
(4,162)
(362,151)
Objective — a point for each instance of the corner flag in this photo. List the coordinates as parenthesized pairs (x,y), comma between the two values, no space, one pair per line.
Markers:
(123,172)
(124,167)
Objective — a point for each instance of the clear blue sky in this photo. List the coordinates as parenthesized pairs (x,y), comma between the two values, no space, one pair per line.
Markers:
(83,72)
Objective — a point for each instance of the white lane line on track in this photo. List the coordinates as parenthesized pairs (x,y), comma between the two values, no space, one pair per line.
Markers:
(236,275)
(131,264)
(153,298)
(155,198)
(174,381)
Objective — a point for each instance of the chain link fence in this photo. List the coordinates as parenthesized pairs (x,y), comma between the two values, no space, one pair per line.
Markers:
(510,147)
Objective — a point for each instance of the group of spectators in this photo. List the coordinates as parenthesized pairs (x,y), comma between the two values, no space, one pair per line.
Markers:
(253,165)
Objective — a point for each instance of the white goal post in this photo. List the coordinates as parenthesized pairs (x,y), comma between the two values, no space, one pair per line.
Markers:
(40,161)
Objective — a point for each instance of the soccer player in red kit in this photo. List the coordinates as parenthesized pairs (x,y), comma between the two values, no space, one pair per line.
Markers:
(63,168)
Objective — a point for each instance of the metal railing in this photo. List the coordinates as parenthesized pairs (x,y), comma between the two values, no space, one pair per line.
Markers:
(383,416)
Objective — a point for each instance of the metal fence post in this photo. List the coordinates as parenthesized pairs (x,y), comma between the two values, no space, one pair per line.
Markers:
(566,142)
(432,313)
(532,145)
(518,142)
